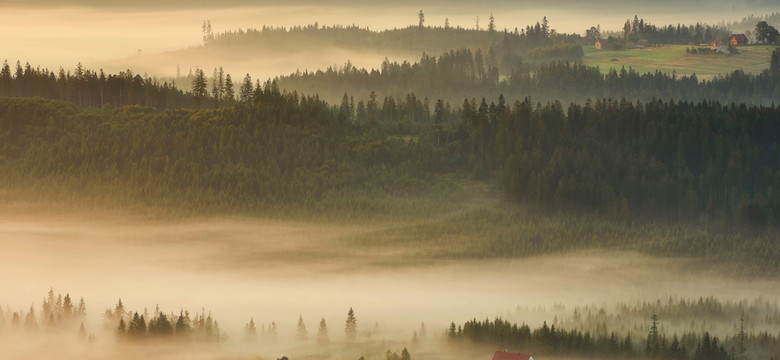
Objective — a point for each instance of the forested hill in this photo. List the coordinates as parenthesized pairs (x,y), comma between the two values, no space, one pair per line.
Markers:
(85,87)
(416,39)
(677,161)
(534,43)
(460,74)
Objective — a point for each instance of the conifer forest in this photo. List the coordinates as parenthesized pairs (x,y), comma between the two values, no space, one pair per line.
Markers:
(401,180)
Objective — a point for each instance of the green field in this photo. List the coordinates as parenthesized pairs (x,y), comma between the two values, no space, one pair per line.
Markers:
(751,59)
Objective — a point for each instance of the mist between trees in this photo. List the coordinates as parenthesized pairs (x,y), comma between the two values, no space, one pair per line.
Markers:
(676,328)
(266,151)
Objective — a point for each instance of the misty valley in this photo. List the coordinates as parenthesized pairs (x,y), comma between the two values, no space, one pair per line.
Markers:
(390,181)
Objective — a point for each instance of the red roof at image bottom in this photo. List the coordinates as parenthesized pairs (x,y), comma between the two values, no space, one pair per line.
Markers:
(501,355)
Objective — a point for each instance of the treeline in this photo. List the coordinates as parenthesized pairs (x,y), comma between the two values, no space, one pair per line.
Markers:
(56,313)
(637,29)
(421,38)
(555,341)
(545,340)
(86,87)
(675,160)
(130,326)
(536,43)
(747,327)
(679,314)
(269,333)
(460,74)
(748,23)
(678,161)
(276,152)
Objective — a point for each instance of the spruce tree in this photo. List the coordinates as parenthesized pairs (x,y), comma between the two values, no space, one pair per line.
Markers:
(230,93)
(199,88)
(247,89)
(301,330)
(250,331)
(322,333)
(350,326)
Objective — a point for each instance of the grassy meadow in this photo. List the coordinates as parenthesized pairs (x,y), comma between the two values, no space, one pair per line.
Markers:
(752,59)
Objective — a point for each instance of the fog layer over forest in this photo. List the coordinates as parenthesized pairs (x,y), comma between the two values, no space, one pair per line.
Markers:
(116,37)
(278,271)
(333,214)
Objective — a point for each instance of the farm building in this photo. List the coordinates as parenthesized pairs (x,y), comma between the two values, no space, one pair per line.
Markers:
(715,45)
(738,39)
(601,43)
(501,355)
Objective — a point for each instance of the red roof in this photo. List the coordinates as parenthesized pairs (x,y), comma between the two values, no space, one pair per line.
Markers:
(500,355)
(740,38)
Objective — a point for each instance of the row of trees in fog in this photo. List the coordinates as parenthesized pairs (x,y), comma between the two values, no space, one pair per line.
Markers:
(56,314)
(452,76)
(460,74)
(443,37)
(86,87)
(269,333)
(745,329)
(420,38)
(678,328)
(637,29)
(550,340)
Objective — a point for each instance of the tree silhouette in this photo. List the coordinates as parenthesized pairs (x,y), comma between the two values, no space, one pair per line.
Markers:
(405,354)
(350,326)
(199,87)
(322,333)
(247,89)
(301,329)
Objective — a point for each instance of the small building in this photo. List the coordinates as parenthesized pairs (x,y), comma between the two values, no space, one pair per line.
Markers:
(601,44)
(715,45)
(502,355)
(738,39)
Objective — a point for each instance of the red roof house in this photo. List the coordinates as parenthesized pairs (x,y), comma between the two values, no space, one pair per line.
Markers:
(738,39)
(501,355)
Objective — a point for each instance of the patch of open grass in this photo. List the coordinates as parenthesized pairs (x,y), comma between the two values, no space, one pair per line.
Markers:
(752,59)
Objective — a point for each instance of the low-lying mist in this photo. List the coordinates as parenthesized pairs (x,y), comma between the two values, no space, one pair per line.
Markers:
(271,271)
(146,40)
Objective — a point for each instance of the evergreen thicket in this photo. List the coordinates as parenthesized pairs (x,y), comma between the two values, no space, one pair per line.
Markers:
(459,74)
(677,161)
(506,43)
(551,340)
(85,87)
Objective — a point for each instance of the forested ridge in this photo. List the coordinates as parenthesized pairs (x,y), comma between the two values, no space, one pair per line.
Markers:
(498,162)
(694,158)
(673,160)
(506,43)
(280,151)
(86,87)
(459,74)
